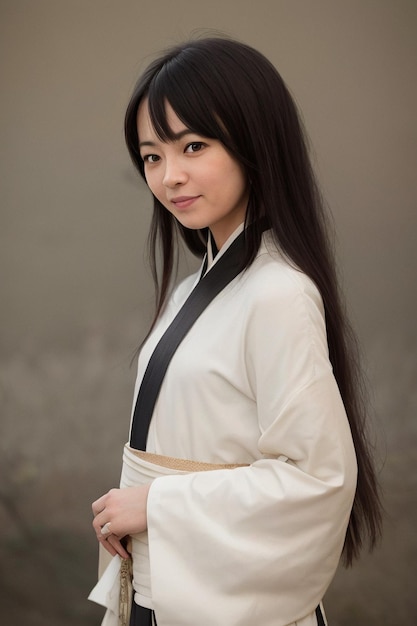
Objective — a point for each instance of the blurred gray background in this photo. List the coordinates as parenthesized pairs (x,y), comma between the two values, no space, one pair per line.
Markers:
(76,293)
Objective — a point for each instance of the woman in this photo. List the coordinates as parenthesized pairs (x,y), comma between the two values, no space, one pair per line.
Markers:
(263,389)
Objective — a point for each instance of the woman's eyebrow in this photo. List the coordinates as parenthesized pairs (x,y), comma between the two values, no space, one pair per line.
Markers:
(175,137)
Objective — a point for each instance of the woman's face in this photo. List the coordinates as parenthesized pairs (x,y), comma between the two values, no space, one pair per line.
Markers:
(194,177)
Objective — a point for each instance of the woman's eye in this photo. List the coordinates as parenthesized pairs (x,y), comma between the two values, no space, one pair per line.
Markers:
(195,146)
(150,158)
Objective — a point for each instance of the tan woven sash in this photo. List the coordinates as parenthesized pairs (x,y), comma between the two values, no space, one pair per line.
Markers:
(184,465)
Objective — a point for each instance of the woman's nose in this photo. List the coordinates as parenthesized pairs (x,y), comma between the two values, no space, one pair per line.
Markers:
(174,173)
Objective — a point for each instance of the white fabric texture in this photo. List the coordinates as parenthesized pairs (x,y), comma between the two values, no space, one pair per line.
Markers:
(252,384)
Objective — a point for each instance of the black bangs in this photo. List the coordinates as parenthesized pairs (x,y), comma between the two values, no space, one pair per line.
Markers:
(192,99)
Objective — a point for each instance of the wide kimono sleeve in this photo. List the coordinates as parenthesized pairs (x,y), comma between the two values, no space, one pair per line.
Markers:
(260,544)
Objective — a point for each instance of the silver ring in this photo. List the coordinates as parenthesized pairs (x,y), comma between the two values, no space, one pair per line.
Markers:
(105,530)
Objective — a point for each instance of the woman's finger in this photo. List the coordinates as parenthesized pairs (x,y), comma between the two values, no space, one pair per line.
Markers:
(109,546)
(116,544)
(100,522)
(113,545)
(98,505)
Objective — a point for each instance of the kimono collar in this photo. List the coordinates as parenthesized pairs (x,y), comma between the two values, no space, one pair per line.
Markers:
(213,254)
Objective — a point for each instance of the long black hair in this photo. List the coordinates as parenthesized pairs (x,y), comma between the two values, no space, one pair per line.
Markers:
(224,89)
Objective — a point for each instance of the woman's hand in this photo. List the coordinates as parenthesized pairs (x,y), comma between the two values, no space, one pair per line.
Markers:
(118,513)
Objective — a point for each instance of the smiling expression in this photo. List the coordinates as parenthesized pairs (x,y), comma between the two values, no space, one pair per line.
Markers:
(193,177)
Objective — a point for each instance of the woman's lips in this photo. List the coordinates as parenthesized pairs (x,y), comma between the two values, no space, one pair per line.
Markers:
(183,202)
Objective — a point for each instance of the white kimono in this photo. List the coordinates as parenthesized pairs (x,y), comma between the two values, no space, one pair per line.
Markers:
(251,384)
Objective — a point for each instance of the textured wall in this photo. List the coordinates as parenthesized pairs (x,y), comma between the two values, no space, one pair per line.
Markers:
(76,294)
